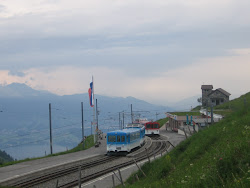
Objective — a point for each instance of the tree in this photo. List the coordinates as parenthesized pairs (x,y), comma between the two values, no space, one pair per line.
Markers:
(199,100)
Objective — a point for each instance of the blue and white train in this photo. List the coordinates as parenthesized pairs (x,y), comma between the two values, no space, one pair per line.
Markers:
(125,140)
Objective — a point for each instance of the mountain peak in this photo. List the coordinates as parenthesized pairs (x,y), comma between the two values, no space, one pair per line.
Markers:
(20,90)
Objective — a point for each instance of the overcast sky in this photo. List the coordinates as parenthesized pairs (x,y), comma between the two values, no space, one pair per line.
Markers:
(159,51)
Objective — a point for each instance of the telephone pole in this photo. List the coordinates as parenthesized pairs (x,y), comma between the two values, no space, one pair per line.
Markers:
(50,129)
(82,126)
(132,119)
(123,120)
(97,129)
(119,121)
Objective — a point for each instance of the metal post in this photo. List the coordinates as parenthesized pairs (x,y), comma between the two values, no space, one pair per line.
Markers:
(113,179)
(91,127)
(139,167)
(212,114)
(96,116)
(147,155)
(80,176)
(50,129)
(120,176)
(97,124)
(119,121)
(123,120)
(57,183)
(82,126)
(207,112)
(131,114)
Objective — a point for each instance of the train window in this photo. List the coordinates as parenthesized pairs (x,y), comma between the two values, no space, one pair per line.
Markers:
(118,138)
(111,138)
(123,138)
(148,126)
(156,126)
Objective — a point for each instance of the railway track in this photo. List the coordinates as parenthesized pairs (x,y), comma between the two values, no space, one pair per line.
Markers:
(160,146)
(56,174)
(157,148)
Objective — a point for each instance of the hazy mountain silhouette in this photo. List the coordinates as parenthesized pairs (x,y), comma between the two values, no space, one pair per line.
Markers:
(24,116)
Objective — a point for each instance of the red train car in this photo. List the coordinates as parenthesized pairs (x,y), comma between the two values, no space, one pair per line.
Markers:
(152,128)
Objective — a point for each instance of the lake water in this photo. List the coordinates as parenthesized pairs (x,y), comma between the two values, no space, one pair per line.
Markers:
(31,151)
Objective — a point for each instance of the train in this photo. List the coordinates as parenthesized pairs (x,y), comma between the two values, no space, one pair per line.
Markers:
(126,139)
(152,128)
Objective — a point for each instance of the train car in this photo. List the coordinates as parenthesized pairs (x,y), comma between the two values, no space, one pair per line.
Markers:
(141,121)
(125,140)
(152,128)
(139,126)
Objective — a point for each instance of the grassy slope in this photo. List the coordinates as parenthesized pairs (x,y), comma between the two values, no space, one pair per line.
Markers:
(162,121)
(89,142)
(218,156)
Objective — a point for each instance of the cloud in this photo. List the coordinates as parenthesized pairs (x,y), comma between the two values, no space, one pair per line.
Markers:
(142,47)
(2,8)
(95,17)
(171,85)
(16,73)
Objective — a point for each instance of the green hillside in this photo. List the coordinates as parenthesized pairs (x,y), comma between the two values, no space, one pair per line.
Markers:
(218,156)
(89,142)
(4,157)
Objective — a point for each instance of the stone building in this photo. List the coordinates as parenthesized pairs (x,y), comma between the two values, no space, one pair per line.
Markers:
(213,97)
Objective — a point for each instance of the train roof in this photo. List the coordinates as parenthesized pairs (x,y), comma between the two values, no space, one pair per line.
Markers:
(134,125)
(125,131)
(150,122)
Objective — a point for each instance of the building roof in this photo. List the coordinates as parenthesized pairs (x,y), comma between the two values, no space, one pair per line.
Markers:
(182,118)
(220,90)
(223,91)
(206,86)
(203,120)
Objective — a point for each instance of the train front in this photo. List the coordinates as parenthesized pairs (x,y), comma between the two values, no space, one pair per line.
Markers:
(116,142)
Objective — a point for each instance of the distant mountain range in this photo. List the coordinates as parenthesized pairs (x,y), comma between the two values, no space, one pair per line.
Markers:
(24,117)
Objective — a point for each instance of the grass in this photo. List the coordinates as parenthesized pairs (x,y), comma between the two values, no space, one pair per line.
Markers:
(162,121)
(218,156)
(89,142)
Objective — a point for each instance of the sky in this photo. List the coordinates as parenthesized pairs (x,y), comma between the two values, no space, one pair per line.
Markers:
(160,51)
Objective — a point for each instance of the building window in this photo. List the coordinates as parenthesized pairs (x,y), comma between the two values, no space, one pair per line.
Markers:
(222,100)
(213,100)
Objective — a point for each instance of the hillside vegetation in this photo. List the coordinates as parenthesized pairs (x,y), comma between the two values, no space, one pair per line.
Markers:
(218,156)
(4,157)
(89,142)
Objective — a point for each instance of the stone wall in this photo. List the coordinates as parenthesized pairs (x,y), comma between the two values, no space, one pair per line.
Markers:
(205,98)
(217,98)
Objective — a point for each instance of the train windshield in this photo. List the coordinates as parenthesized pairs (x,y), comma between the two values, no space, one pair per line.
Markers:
(148,126)
(156,126)
(112,138)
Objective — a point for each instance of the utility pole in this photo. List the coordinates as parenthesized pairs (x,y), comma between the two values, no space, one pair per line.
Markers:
(119,121)
(97,129)
(207,111)
(212,114)
(97,113)
(91,127)
(50,129)
(156,114)
(131,114)
(123,120)
(82,126)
